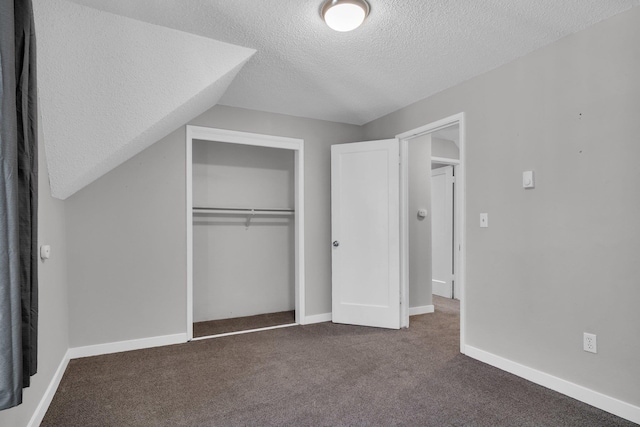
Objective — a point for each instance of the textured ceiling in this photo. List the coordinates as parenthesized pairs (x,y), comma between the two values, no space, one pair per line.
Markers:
(116,76)
(405,51)
(110,86)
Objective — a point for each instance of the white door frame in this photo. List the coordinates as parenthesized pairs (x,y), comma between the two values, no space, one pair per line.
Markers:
(459,213)
(258,140)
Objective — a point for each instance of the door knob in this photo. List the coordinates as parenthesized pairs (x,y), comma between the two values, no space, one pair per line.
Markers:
(336,243)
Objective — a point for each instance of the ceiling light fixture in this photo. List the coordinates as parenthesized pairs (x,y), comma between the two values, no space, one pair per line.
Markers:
(344,15)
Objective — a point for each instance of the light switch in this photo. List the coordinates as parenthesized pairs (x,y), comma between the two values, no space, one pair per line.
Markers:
(484,220)
(527,180)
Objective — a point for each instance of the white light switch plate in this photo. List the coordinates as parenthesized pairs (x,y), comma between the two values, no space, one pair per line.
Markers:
(528,180)
(484,220)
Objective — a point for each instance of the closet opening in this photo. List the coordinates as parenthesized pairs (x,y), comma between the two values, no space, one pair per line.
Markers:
(245,216)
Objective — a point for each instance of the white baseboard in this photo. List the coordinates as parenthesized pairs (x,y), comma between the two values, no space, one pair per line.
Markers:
(424,309)
(317,318)
(578,392)
(117,347)
(41,409)
(95,350)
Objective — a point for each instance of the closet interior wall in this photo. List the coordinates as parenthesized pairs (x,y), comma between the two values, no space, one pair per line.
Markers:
(243,264)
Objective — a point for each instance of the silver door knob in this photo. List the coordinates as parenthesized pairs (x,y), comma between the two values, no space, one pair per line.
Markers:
(336,243)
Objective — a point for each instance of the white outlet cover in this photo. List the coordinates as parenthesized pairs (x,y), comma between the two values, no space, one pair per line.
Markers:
(589,343)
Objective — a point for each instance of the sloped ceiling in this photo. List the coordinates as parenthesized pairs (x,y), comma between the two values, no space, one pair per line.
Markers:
(115,76)
(405,51)
(110,86)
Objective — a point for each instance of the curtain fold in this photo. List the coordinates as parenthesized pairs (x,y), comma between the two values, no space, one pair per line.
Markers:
(18,201)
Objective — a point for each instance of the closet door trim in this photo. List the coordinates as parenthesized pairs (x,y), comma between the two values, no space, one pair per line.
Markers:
(234,137)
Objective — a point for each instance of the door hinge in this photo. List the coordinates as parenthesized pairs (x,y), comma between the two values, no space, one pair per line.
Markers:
(453,179)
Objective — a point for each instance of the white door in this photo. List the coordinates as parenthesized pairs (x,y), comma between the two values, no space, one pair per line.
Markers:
(442,231)
(365,214)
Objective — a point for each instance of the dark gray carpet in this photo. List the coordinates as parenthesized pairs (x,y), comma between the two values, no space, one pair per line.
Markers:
(317,375)
(223,326)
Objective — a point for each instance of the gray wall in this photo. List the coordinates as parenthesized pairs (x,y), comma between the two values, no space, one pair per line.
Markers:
(419,229)
(561,259)
(126,231)
(127,242)
(241,270)
(53,335)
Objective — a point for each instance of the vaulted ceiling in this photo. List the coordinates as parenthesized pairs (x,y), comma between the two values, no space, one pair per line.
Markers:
(110,86)
(128,71)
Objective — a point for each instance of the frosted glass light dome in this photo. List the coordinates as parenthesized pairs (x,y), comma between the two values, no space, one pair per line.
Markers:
(344,15)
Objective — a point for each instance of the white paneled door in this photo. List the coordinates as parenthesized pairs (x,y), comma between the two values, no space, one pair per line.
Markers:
(365,214)
(442,231)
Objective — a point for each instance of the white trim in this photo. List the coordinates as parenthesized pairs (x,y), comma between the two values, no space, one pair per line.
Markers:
(425,309)
(432,127)
(230,334)
(445,161)
(318,318)
(601,401)
(259,140)
(243,138)
(300,295)
(404,233)
(460,216)
(119,346)
(47,397)
(189,228)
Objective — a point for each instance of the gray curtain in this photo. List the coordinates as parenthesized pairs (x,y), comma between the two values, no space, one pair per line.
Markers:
(18,201)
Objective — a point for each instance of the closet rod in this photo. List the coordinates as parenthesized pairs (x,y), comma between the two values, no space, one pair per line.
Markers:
(243,211)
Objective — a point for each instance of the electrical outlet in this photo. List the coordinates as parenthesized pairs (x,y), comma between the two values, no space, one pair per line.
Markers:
(589,343)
